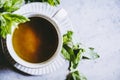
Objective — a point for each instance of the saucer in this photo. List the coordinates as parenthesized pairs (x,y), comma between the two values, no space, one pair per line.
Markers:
(64,24)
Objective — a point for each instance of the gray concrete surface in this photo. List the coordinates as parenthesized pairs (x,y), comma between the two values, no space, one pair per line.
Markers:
(96,24)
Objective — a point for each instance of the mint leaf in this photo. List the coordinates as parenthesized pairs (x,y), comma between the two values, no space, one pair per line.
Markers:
(51,2)
(74,53)
(10,5)
(3,28)
(2,3)
(76,76)
(15,18)
(90,54)
(77,56)
(67,37)
(7,20)
(65,54)
(70,51)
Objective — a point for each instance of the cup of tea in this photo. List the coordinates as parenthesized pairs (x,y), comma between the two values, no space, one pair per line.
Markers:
(37,42)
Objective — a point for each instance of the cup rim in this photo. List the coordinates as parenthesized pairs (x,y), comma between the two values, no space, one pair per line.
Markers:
(29,64)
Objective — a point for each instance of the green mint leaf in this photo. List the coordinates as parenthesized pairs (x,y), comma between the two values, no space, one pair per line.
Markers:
(2,3)
(78,55)
(3,28)
(67,37)
(90,54)
(73,66)
(65,54)
(76,76)
(15,18)
(74,53)
(8,20)
(51,2)
(10,5)
(70,51)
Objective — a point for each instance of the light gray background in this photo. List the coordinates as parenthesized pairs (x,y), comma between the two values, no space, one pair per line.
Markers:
(97,24)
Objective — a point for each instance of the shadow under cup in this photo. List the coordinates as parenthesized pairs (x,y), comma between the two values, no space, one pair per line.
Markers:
(35,42)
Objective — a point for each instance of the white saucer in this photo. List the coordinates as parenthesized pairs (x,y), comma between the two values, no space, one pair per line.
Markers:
(46,9)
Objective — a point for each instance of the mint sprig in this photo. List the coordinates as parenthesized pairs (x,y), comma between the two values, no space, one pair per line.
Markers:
(10,5)
(76,76)
(7,20)
(74,53)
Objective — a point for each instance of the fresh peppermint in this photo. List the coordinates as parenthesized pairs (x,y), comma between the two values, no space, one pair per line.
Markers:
(74,53)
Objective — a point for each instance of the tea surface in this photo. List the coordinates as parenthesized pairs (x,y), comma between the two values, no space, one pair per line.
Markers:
(35,41)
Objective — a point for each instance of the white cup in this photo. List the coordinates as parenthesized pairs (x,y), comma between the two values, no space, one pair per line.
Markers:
(58,50)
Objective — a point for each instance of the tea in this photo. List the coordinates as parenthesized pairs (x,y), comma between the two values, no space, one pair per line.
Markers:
(35,41)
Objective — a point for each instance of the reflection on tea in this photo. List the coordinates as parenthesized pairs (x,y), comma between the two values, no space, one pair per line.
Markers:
(35,41)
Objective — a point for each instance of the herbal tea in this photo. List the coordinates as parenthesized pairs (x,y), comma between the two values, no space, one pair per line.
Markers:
(35,41)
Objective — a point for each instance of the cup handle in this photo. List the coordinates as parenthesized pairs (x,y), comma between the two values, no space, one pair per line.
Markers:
(60,15)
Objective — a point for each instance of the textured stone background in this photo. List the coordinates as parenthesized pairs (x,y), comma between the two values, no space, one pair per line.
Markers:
(97,24)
